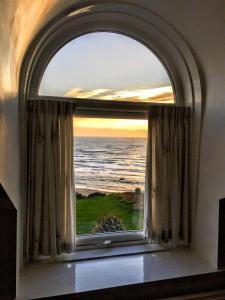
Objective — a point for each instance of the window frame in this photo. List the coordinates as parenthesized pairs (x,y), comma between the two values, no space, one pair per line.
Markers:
(116,238)
(108,109)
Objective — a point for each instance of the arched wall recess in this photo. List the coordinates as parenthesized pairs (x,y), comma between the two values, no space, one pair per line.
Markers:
(129,19)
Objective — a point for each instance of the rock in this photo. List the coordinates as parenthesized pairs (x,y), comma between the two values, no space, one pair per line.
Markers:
(96,194)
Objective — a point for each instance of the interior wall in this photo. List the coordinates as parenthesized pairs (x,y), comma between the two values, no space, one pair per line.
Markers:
(210,48)
(200,22)
(19,22)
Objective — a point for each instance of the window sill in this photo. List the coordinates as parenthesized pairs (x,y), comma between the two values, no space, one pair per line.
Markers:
(112,251)
(46,280)
(83,253)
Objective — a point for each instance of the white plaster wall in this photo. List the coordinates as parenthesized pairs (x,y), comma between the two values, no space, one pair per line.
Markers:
(201,23)
(19,22)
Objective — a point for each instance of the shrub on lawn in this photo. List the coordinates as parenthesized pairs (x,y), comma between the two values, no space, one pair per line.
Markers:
(108,223)
(138,191)
(80,196)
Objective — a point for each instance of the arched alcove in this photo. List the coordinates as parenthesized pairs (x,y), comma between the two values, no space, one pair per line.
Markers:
(118,17)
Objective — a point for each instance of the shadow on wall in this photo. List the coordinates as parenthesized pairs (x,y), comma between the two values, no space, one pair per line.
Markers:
(8,217)
(20,20)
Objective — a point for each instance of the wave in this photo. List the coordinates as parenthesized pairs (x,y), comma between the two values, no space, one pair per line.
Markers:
(110,164)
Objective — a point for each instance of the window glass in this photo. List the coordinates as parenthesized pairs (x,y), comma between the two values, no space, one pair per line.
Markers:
(109,164)
(107,66)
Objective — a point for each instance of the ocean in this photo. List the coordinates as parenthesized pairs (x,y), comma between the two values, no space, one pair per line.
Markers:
(109,164)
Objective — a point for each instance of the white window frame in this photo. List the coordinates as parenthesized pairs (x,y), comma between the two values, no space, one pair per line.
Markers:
(114,238)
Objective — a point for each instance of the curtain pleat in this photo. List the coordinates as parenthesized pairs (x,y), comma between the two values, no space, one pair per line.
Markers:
(51,195)
(167,175)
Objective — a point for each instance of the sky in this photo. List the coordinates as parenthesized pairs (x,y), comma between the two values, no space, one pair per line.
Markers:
(110,127)
(107,66)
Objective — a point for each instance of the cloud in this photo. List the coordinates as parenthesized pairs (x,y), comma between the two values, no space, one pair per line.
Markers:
(161,94)
(78,93)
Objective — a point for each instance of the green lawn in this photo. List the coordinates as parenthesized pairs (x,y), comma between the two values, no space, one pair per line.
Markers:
(89,210)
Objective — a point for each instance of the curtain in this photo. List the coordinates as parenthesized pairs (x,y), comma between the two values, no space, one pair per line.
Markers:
(50,184)
(168,175)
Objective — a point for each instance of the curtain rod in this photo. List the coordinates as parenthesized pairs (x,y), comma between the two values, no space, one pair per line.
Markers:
(51,98)
(95,103)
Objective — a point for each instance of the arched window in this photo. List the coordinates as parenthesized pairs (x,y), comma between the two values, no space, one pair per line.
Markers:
(109,153)
(107,66)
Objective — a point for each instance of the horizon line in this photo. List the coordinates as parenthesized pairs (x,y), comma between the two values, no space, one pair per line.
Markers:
(100,136)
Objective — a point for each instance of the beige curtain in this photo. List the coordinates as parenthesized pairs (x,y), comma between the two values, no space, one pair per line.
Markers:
(50,194)
(167,176)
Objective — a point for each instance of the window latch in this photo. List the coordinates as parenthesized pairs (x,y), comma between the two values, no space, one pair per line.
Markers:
(107,243)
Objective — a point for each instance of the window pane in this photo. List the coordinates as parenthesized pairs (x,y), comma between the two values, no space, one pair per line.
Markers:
(109,156)
(107,66)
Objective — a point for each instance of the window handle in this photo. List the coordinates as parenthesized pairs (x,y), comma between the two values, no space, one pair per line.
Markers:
(107,242)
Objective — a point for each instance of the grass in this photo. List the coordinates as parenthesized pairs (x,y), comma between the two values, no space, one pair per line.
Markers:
(89,210)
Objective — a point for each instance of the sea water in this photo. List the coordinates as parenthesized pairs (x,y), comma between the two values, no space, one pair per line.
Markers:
(109,164)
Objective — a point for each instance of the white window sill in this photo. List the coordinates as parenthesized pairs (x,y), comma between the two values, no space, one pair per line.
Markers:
(104,252)
(50,279)
(116,249)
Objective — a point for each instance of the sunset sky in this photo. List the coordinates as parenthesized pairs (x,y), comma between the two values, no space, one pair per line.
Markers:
(107,66)
(110,127)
